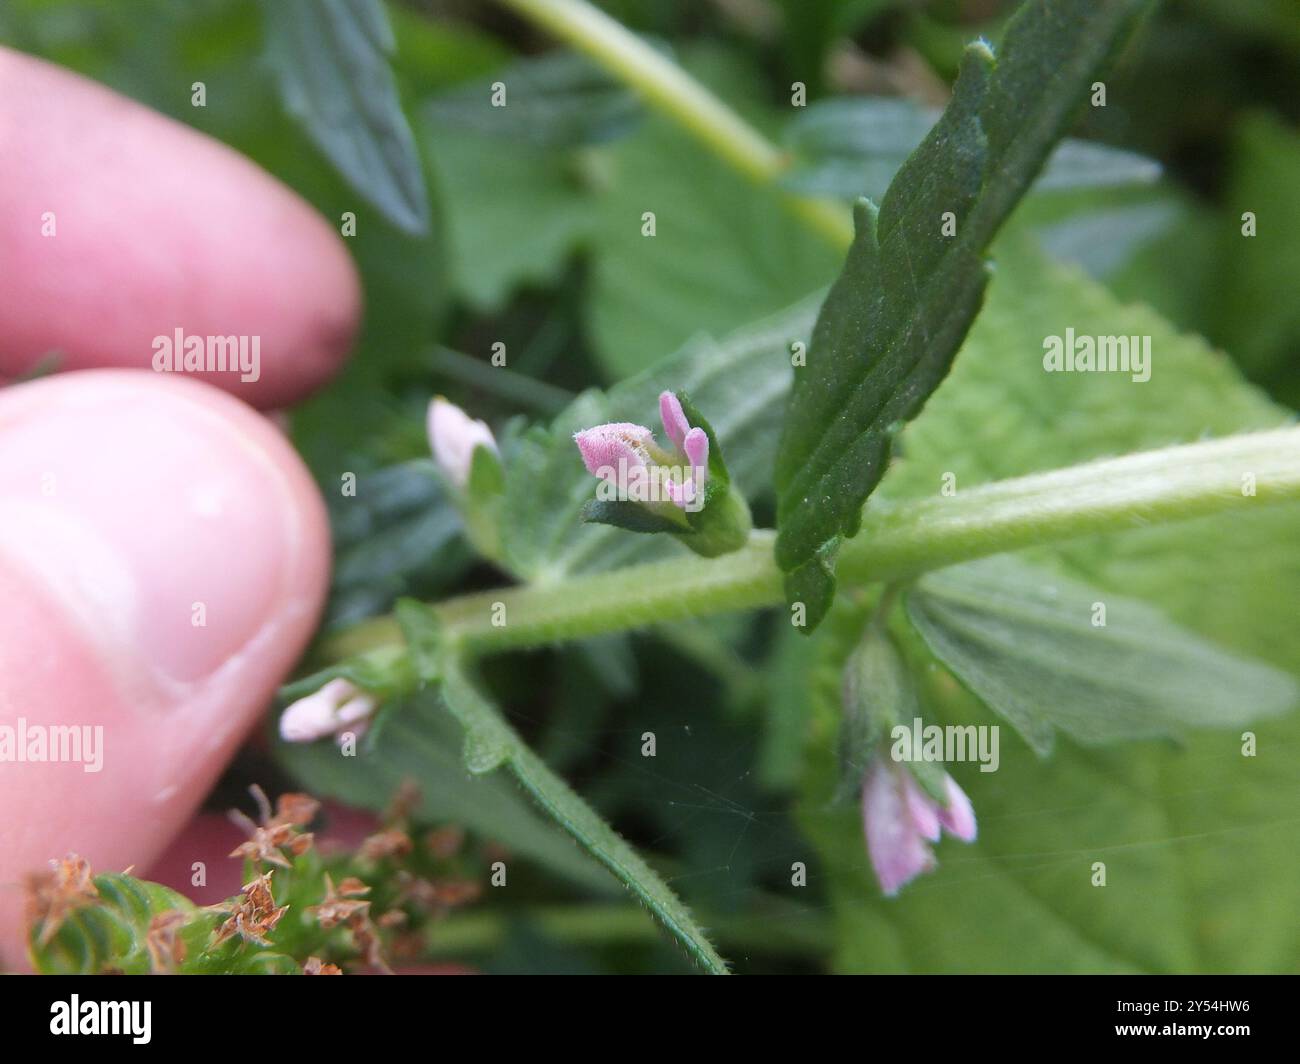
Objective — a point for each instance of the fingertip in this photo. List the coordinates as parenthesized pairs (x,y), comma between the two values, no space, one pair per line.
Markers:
(165,556)
(129,236)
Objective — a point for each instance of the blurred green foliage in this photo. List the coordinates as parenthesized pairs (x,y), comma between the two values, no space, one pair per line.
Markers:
(536,242)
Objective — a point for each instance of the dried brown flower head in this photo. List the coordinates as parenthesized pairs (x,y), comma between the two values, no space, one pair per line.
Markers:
(297,809)
(343,905)
(52,896)
(275,833)
(389,843)
(340,904)
(252,916)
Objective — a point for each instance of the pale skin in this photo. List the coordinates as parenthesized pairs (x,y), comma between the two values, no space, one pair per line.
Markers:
(164,552)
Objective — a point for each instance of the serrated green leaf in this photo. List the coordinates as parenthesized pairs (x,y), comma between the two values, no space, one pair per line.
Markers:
(331,63)
(557,100)
(893,321)
(725,253)
(1029,643)
(1199,862)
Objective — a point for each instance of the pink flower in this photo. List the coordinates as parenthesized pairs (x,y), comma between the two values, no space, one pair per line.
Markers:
(621,452)
(454,436)
(337,707)
(901,820)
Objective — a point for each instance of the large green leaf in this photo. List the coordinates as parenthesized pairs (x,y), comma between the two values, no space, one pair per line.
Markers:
(725,252)
(912,284)
(331,63)
(515,212)
(1200,853)
(1039,650)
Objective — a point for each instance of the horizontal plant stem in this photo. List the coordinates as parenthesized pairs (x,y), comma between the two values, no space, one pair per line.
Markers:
(668,88)
(896,542)
(1145,488)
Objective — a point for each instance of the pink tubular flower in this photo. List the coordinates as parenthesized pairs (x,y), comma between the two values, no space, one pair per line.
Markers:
(901,821)
(621,450)
(337,707)
(454,436)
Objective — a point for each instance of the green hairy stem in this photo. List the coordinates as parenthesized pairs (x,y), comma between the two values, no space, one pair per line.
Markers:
(896,542)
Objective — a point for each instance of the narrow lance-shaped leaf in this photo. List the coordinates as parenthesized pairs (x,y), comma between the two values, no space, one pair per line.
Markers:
(490,743)
(914,278)
(1048,653)
(331,62)
(416,743)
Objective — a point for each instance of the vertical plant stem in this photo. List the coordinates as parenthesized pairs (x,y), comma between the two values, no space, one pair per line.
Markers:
(669,89)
